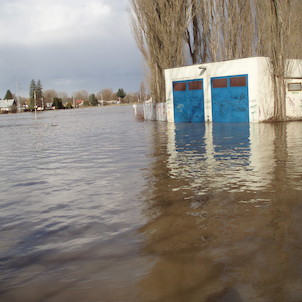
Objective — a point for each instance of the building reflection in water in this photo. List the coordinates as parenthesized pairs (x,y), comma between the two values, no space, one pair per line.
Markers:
(224,213)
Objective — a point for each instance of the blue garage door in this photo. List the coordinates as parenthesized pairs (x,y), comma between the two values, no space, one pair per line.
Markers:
(188,101)
(230,102)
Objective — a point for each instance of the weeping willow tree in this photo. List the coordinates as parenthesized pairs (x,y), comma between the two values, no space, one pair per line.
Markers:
(273,20)
(159,27)
(220,30)
(171,33)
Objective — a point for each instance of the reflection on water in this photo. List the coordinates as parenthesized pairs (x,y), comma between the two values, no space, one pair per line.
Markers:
(225,213)
(95,206)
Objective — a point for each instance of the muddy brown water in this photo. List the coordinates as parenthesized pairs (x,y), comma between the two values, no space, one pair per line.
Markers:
(96,206)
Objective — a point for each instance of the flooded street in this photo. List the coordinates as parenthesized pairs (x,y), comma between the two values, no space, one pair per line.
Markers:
(96,206)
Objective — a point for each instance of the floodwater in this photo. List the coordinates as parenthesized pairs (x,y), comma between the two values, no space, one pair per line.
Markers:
(97,206)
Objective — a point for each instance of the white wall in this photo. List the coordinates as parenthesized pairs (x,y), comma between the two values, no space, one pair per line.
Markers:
(295,68)
(264,101)
(294,98)
(293,101)
(250,66)
(153,111)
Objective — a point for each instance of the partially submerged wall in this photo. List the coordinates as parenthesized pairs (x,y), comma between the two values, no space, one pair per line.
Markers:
(260,89)
(151,111)
(294,90)
(161,112)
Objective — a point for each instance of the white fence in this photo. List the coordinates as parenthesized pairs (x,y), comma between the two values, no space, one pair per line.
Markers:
(151,111)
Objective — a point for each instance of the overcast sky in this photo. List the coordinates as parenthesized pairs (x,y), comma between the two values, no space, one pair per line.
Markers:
(69,45)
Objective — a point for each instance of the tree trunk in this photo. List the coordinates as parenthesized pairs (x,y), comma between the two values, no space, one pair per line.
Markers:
(159,27)
(279,101)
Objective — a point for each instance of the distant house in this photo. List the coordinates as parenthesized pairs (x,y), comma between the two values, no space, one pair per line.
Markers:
(48,106)
(8,105)
(79,103)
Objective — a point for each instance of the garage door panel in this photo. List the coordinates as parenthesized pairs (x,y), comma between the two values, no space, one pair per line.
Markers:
(230,99)
(188,103)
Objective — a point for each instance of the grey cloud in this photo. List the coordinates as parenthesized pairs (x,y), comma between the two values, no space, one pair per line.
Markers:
(99,58)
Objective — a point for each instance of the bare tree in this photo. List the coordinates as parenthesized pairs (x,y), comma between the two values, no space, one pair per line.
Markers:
(219,30)
(81,95)
(64,96)
(132,97)
(273,18)
(213,12)
(50,95)
(294,36)
(159,27)
(142,94)
(236,29)
(106,94)
(271,21)
(193,33)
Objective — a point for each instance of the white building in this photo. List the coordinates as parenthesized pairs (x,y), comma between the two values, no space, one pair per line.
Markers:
(229,91)
(7,105)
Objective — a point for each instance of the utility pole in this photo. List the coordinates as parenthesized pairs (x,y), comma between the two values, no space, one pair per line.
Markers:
(35,98)
(18,98)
